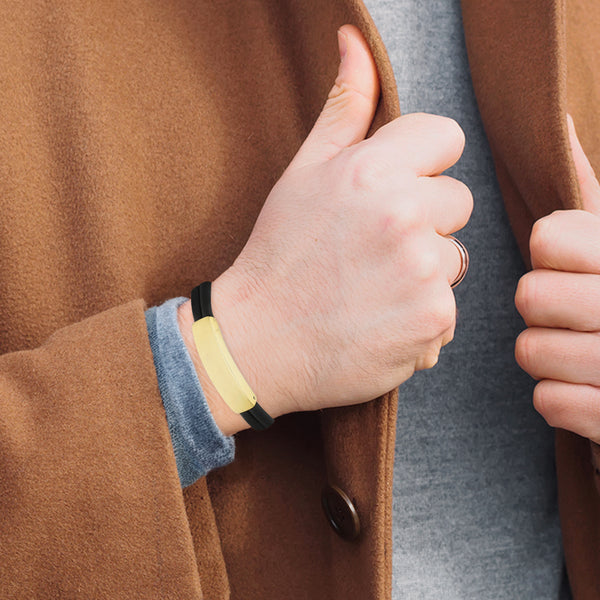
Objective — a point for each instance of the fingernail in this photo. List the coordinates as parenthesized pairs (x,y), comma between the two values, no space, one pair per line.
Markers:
(342,44)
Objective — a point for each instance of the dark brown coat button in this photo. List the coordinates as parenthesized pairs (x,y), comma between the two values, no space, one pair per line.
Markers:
(340,512)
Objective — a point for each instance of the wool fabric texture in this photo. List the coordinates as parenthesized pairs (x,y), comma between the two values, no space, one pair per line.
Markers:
(137,145)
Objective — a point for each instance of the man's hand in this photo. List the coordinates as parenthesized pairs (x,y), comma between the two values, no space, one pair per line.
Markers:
(560,303)
(343,288)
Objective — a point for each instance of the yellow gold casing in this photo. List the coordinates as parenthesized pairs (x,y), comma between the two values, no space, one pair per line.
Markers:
(220,366)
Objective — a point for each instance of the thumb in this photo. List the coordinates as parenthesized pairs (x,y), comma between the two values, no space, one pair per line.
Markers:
(588,183)
(348,112)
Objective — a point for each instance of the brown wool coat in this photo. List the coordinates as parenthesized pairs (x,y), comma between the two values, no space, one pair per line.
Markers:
(137,143)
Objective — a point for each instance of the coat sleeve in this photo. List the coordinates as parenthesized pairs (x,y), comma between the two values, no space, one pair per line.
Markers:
(90,501)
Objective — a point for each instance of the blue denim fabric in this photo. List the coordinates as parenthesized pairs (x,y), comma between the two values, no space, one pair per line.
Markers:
(198,443)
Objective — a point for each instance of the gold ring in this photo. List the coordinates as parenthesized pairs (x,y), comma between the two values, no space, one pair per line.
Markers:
(464,260)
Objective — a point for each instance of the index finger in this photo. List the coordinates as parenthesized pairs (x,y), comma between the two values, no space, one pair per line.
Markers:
(428,144)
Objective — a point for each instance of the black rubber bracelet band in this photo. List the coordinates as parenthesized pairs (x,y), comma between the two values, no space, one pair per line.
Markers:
(201,305)
(256,417)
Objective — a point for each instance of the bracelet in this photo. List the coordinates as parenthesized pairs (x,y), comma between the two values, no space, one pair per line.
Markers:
(219,363)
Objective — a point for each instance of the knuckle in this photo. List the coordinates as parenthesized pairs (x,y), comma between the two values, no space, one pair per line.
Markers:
(428,359)
(343,91)
(466,196)
(409,215)
(344,99)
(525,350)
(399,221)
(444,130)
(525,296)
(442,315)
(361,172)
(453,131)
(449,334)
(423,265)
(543,402)
(445,125)
(542,237)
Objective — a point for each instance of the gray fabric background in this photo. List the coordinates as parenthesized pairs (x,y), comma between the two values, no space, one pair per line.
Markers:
(475,510)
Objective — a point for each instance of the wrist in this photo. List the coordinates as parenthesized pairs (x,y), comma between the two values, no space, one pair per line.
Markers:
(242,314)
(239,317)
(227,420)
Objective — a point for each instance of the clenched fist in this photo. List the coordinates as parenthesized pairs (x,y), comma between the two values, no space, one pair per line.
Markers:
(560,303)
(343,288)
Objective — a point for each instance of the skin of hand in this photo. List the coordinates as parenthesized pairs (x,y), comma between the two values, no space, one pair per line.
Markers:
(343,289)
(560,303)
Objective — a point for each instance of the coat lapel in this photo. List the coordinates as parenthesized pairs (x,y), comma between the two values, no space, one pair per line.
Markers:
(531,63)
(518,65)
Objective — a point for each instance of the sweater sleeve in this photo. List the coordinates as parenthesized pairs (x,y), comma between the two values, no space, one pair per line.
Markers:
(198,443)
(89,488)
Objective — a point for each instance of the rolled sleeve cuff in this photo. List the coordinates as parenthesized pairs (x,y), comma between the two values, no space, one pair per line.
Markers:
(198,443)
